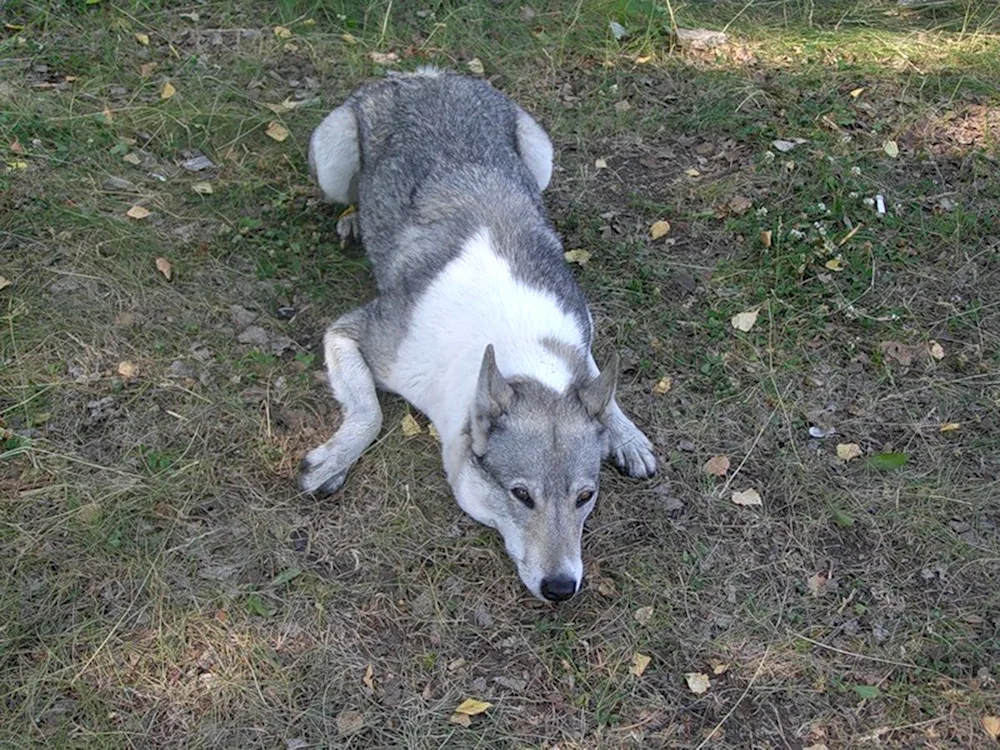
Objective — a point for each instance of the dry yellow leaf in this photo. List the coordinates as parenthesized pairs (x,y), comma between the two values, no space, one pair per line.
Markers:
(475,66)
(127,370)
(17,164)
(107,114)
(410,426)
(350,721)
(816,584)
(4,282)
(992,726)
(848,451)
(167,91)
(349,38)
(146,69)
(950,426)
(744,321)
(579,257)
(132,158)
(164,267)
(717,465)
(384,58)
(747,497)
(697,682)
(282,107)
(643,59)
(692,172)
(472,707)
(639,664)
(835,264)
(282,32)
(891,148)
(935,349)
(659,229)
(643,615)
(663,385)
(601,164)
(142,38)
(855,93)
(277,131)
(137,212)
(461,719)
(765,238)
(369,678)
(202,188)
(719,669)
(433,432)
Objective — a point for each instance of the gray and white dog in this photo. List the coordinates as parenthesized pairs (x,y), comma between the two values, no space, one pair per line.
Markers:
(478,322)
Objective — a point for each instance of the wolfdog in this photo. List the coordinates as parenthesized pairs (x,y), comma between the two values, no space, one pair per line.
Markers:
(478,321)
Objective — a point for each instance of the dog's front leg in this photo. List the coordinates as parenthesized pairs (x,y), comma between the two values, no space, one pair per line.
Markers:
(632,450)
(324,468)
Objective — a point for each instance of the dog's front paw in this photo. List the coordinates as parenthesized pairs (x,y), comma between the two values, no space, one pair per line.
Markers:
(317,477)
(636,459)
(349,225)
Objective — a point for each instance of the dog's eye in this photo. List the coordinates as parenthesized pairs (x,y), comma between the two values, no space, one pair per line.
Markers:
(584,497)
(521,494)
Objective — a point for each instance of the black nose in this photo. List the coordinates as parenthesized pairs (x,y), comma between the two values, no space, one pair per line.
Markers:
(558,589)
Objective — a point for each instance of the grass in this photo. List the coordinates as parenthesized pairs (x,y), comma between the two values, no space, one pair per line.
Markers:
(166,585)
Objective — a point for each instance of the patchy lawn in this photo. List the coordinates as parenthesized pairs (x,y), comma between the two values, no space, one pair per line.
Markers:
(166,271)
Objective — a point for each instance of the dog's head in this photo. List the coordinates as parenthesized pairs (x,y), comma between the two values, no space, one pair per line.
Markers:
(536,457)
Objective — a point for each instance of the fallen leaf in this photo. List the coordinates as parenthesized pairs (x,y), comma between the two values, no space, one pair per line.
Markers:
(127,370)
(697,682)
(717,465)
(4,282)
(132,158)
(433,432)
(193,15)
(643,615)
(740,204)
(692,172)
(142,38)
(935,350)
(579,257)
(816,584)
(897,351)
(369,678)
(888,461)
(744,321)
(410,426)
(747,497)
(992,726)
(835,264)
(891,148)
(618,31)
(349,38)
(475,66)
(107,114)
(472,707)
(600,164)
(659,229)
(785,146)
(277,131)
(202,188)
(765,238)
(639,664)
(663,385)
(282,32)
(164,267)
(167,91)
(946,427)
(283,107)
(137,212)
(349,721)
(848,451)
(855,93)
(461,719)
(719,669)
(384,58)
(16,147)
(643,59)
(17,164)
(456,665)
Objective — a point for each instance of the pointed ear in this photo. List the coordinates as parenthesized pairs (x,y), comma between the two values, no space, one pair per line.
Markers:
(493,397)
(597,394)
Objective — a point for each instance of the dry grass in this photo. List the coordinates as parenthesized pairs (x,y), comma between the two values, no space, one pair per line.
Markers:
(166,586)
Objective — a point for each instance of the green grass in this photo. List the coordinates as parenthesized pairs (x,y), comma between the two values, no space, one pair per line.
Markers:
(166,585)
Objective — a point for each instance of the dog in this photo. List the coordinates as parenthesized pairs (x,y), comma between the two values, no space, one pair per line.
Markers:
(478,321)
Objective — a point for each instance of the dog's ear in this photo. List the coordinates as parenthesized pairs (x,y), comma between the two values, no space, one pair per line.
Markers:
(597,394)
(493,397)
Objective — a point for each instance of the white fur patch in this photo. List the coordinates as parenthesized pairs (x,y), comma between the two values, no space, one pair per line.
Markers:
(535,148)
(473,302)
(334,155)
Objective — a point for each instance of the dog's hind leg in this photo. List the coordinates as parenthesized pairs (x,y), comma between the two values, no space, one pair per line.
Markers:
(335,160)
(325,467)
(535,149)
